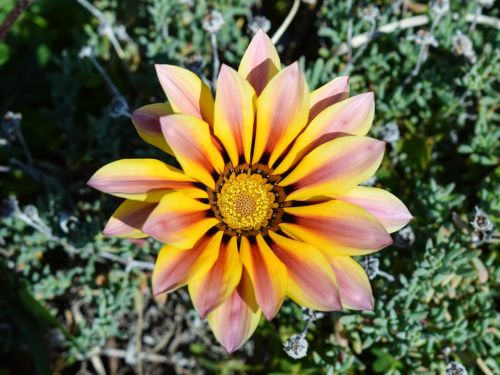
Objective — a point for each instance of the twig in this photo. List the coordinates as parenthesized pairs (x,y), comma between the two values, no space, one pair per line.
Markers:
(120,353)
(215,59)
(287,21)
(35,222)
(129,263)
(119,106)
(12,17)
(478,13)
(106,26)
(408,23)
(349,32)
(139,306)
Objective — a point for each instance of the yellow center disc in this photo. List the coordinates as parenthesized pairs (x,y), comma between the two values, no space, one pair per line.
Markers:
(245,201)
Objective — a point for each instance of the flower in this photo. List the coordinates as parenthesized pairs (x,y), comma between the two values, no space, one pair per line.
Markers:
(266,203)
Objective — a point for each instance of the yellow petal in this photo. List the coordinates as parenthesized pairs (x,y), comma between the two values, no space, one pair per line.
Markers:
(192,144)
(142,179)
(334,167)
(282,112)
(186,93)
(260,62)
(147,123)
(175,267)
(211,290)
(267,273)
(234,114)
(179,220)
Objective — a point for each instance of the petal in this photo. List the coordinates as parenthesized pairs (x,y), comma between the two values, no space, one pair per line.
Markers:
(331,93)
(334,167)
(236,319)
(282,112)
(260,62)
(128,219)
(219,283)
(179,220)
(147,123)
(386,207)
(175,267)
(267,273)
(311,281)
(234,114)
(354,286)
(338,227)
(351,116)
(191,142)
(142,179)
(186,93)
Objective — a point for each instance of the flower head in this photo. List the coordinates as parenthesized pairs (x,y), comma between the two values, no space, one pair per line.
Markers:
(266,204)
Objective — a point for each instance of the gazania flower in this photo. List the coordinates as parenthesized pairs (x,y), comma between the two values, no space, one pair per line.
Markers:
(266,203)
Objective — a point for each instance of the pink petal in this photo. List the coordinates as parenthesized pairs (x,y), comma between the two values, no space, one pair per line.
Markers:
(128,219)
(386,207)
(355,288)
(236,319)
(260,62)
(331,93)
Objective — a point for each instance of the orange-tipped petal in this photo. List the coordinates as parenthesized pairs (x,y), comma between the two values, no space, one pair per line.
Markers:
(179,220)
(338,227)
(282,112)
(147,123)
(331,93)
(311,281)
(186,93)
(334,167)
(142,179)
(350,116)
(234,114)
(192,144)
(354,286)
(234,322)
(219,282)
(260,62)
(175,268)
(267,273)
(128,219)
(386,207)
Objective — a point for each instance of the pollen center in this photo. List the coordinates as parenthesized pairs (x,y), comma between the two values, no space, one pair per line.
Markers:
(246,202)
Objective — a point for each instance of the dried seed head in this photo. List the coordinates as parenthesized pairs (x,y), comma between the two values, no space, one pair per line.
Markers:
(390,132)
(213,21)
(462,46)
(440,7)
(455,368)
(258,22)
(370,13)
(405,237)
(296,346)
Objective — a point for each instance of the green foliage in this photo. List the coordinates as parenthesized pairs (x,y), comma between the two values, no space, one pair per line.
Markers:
(68,291)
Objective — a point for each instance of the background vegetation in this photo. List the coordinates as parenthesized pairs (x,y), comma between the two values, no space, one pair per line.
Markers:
(73,301)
